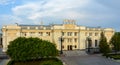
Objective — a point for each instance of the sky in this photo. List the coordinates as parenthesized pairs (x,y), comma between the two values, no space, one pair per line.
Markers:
(92,13)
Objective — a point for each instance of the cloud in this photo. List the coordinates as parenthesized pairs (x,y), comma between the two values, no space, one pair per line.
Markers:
(75,9)
(6,2)
(50,8)
(86,12)
(9,19)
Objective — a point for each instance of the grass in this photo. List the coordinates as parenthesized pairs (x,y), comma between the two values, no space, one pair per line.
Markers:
(45,61)
(114,56)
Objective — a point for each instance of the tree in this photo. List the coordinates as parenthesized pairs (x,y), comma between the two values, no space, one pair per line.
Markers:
(103,45)
(23,49)
(115,41)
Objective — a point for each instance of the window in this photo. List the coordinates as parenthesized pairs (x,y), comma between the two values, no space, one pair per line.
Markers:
(75,46)
(63,46)
(32,27)
(75,33)
(96,34)
(41,27)
(75,40)
(24,34)
(69,40)
(63,33)
(48,28)
(86,34)
(90,34)
(36,27)
(63,39)
(40,33)
(96,43)
(28,27)
(1,40)
(69,33)
(32,33)
(48,33)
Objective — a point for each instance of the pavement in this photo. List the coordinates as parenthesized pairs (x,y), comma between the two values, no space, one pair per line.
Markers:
(74,58)
(3,58)
(86,59)
(4,62)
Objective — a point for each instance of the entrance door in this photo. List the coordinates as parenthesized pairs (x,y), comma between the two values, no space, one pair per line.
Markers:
(90,43)
(69,47)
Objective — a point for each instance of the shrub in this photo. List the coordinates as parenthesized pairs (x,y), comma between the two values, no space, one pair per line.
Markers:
(114,56)
(23,49)
(10,62)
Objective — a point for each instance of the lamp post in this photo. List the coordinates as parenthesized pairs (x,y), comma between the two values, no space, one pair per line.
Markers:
(61,40)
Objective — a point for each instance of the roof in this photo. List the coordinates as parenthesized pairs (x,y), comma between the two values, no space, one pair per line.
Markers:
(35,26)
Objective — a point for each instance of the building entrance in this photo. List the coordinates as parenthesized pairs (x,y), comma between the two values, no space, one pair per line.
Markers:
(69,47)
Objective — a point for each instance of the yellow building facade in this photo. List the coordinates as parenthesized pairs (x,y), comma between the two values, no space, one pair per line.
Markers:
(74,36)
(0,39)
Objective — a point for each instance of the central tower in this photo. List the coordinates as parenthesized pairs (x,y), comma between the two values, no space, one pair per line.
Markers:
(69,21)
(69,24)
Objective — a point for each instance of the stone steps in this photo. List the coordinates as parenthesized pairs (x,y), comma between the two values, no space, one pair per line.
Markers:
(74,53)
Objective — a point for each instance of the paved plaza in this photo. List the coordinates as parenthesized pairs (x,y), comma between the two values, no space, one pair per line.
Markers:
(75,58)
(86,59)
(3,58)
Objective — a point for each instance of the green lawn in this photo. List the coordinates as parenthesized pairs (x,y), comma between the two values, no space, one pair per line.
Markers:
(114,56)
(45,61)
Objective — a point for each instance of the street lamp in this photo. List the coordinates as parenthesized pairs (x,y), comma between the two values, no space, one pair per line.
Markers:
(61,40)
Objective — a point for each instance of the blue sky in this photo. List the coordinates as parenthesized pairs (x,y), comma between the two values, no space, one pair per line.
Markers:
(93,13)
